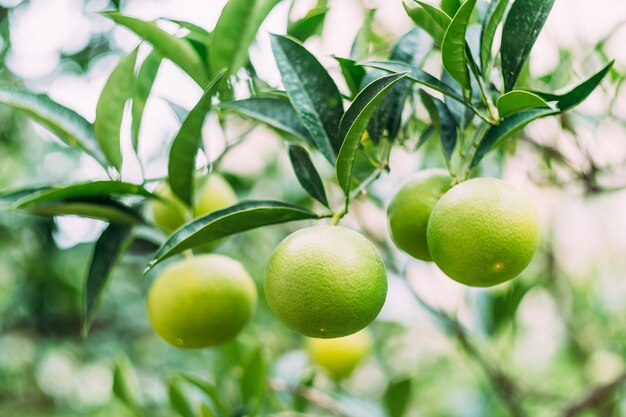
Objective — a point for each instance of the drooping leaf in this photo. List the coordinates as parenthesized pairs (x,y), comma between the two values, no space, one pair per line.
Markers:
(352,73)
(209,389)
(462,113)
(177,50)
(141,91)
(425,21)
(234,32)
(412,48)
(182,159)
(71,127)
(397,397)
(424,136)
(519,34)
(178,399)
(507,127)
(454,49)
(126,384)
(307,175)
(450,7)
(361,45)
(444,123)
(274,112)
(495,13)
(355,121)
(110,108)
(310,25)
(241,217)
(441,18)
(312,92)
(106,254)
(518,100)
(579,93)
(95,208)
(253,380)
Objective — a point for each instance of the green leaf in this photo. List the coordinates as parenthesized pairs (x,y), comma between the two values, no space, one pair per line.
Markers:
(143,85)
(234,32)
(518,100)
(412,48)
(352,73)
(500,307)
(177,50)
(462,113)
(71,127)
(126,384)
(106,254)
(310,25)
(361,46)
(182,160)
(496,11)
(521,29)
(441,18)
(453,48)
(416,75)
(355,121)
(508,126)
(253,380)
(241,217)
(110,108)
(444,122)
(209,389)
(450,7)
(579,93)
(274,112)
(306,173)
(178,399)
(397,397)
(95,208)
(312,92)
(425,20)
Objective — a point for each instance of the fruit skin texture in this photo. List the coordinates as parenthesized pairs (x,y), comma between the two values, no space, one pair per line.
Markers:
(201,301)
(340,356)
(410,210)
(483,232)
(326,281)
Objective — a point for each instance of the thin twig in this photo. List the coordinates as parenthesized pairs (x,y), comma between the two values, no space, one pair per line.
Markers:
(312,395)
(595,397)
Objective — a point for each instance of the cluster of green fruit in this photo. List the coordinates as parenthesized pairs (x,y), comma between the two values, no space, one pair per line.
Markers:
(330,282)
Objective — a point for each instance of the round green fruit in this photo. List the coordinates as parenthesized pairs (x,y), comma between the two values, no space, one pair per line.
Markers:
(201,301)
(340,356)
(326,281)
(483,232)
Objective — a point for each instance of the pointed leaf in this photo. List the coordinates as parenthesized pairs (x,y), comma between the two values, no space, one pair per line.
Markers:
(450,7)
(71,127)
(106,254)
(441,18)
(143,85)
(518,100)
(177,50)
(508,126)
(110,108)
(579,93)
(425,21)
(496,11)
(274,112)
(95,208)
(412,48)
(463,114)
(241,217)
(355,121)
(126,384)
(397,397)
(310,25)
(178,399)
(209,389)
(521,30)
(361,45)
(312,92)
(352,73)
(306,173)
(453,48)
(182,160)
(234,32)
(444,122)
(254,378)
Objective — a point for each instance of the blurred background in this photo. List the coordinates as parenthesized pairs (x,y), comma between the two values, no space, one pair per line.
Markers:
(548,338)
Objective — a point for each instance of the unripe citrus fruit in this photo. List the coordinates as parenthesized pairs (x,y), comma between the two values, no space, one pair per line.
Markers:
(326,281)
(171,213)
(410,209)
(483,232)
(201,301)
(340,356)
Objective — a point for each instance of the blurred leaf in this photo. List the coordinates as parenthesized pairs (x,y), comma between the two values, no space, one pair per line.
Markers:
(110,108)
(205,411)
(518,100)
(143,85)
(412,48)
(212,392)
(450,7)
(425,20)
(397,397)
(95,208)
(178,399)
(361,44)
(579,93)
(453,49)
(234,32)
(441,18)
(126,384)
(310,25)
(495,13)
(312,92)
(521,29)
(444,122)
(179,111)
(352,73)
(71,127)
(274,112)
(241,217)
(424,136)
(300,404)
(508,126)
(177,50)
(355,121)
(500,307)
(254,380)
(181,165)
(463,114)
(306,173)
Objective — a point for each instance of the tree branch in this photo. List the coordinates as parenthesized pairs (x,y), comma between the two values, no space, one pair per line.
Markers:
(595,396)
(310,394)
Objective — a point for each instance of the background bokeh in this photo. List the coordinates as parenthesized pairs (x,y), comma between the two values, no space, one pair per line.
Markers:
(554,333)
